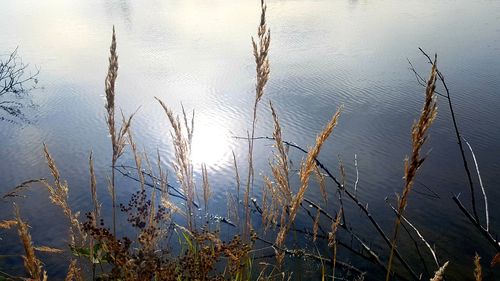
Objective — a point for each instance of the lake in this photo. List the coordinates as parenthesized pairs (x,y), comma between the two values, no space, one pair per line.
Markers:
(324,53)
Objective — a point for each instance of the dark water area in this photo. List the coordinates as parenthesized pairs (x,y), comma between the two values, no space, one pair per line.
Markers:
(323,54)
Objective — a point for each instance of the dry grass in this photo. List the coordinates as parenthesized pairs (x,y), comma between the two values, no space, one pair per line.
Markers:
(478,271)
(7,224)
(58,194)
(332,240)
(203,255)
(439,275)
(260,52)
(118,135)
(306,168)
(32,264)
(413,164)
(74,273)
(183,166)
(206,187)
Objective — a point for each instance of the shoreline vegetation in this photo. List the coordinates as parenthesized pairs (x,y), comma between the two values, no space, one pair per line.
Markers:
(169,242)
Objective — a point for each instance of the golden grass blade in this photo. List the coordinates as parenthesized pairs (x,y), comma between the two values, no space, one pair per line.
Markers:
(237,177)
(260,51)
(58,194)
(439,276)
(47,249)
(137,159)
(206,187)
(7,224)
(306,169)
(182,164)
(74,273)
(320,178)
(316,225)
(32,264)
(413,164)
(332,240)
(478,271)
(93,187)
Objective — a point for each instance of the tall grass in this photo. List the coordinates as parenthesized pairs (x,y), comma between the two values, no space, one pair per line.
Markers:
(415,161)
(261,55)
(170,242)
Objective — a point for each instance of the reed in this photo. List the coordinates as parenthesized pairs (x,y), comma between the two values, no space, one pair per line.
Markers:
(306,168)
(260,52)
(118,135)
(203,255)
(58,194)
(412,165)
(439,275)
(206,187)
(478,271)
(183,166)
(32,264)
(332,240)
(74,272)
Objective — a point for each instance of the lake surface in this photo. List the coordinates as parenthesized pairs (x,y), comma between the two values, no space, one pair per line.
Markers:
(323,54)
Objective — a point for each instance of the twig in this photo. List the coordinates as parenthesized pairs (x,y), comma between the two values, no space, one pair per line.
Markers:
(458,137)
(177,193)
(476,223)
(433,253)
(481,185)
(357,174)
(303,253)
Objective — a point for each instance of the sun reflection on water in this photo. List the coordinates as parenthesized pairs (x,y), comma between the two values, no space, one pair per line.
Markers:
(211,145)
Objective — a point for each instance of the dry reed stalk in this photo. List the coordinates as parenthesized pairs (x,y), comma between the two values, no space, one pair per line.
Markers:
(237,176)
(110,120)
(96,213)
(93,187)
(74,272)
(320,178)
(281,169)
(47,249)
(260,52)
(58,194)
(206,187)
(307,167)
(137,159)
(183,166)
(162,177)
(274,205)
(412,165)
(332,240)
(232,208)
(32,264)
(316,225)
(439,276)
(265,207)
(7,224)
(189,129)
(118,140)
(151,222)
(478,271)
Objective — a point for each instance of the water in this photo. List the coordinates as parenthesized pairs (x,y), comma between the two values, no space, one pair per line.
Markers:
(323,54)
